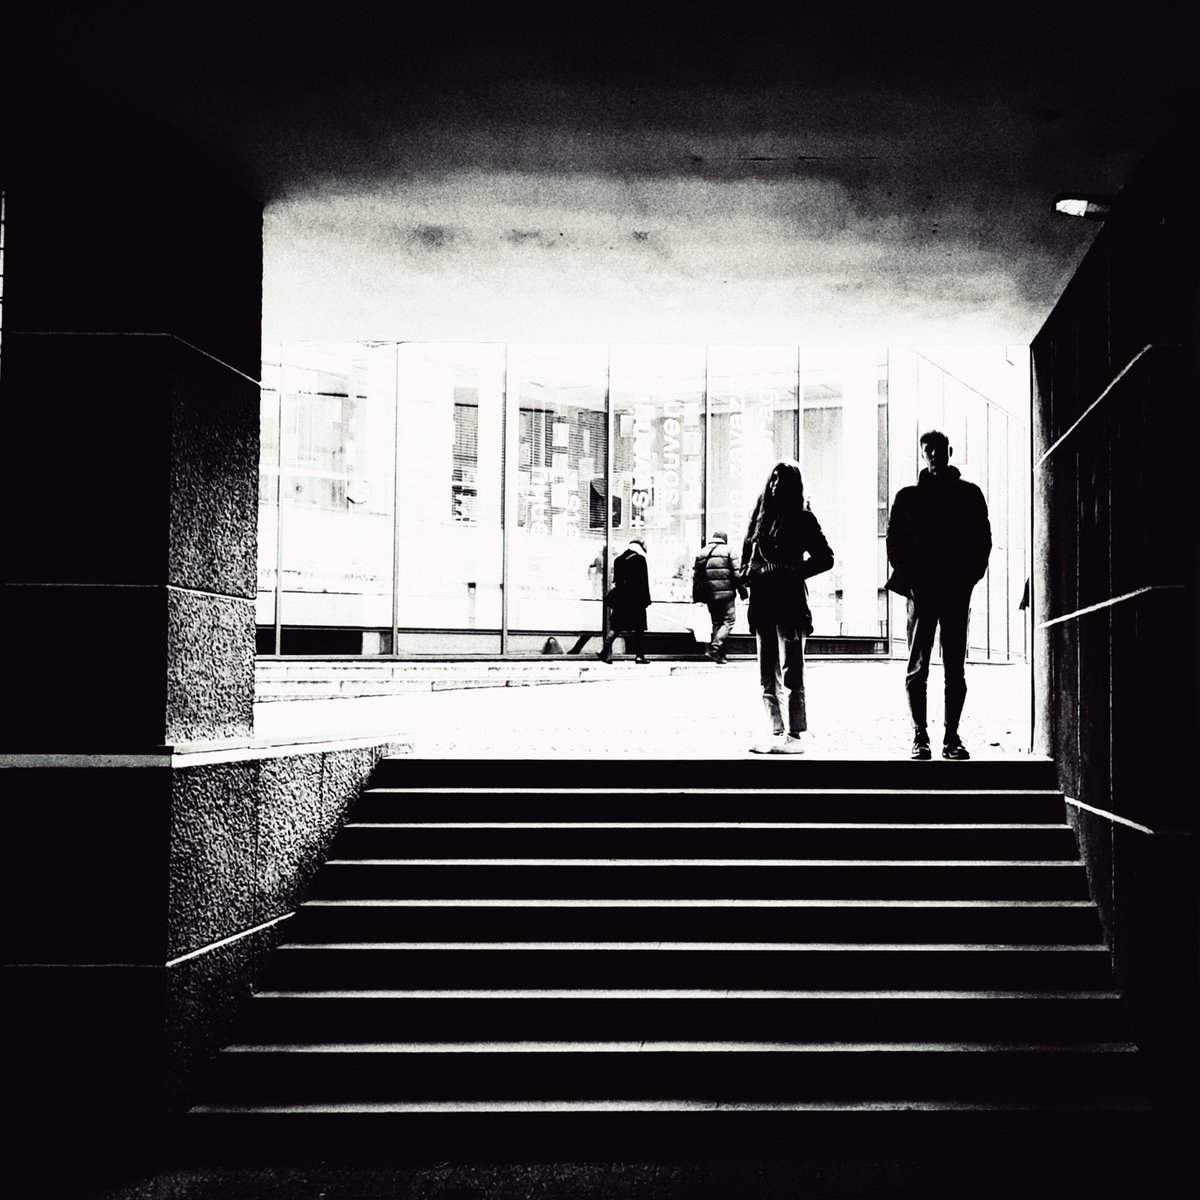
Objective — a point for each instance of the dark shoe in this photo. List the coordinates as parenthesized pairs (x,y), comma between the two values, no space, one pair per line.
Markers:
(955,750)
(604,658)
(720,660)
(920,750)
(641,658)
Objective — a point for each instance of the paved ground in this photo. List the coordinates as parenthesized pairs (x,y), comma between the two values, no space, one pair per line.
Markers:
(856,710)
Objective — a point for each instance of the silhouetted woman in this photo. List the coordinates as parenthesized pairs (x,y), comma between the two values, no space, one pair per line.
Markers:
(628,601)
(784,545)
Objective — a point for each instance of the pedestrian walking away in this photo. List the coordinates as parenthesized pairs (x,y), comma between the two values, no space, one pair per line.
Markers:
(627,602)
(715,583)
(783,547)
(938,542)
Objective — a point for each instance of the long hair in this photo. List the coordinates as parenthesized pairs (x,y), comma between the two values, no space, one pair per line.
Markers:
(775,524)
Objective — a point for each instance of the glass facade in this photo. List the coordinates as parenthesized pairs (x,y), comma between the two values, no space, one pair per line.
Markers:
(991,449)
(442,500)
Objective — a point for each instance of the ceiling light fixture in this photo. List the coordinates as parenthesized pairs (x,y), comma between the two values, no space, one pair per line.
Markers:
(1082,204)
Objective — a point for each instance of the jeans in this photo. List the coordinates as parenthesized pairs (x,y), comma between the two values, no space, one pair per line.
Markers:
(780,669)
(722,614)
(951,611)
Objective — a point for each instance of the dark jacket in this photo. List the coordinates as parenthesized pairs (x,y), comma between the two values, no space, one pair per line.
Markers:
(939,536)
(714,580)
(778,591)
(630,595)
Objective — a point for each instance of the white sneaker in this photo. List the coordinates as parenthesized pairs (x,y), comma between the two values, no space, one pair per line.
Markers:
(789,745)
(772,746)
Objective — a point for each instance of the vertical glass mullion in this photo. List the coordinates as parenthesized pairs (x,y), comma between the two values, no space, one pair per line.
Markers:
(279,512)
(799,415)
(705,486)
(987,458)
(609,428)
(396,501)
(1007,542)
(507,459)
(887,450)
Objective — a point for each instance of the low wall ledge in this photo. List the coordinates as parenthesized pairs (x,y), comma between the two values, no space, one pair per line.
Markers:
(198,754)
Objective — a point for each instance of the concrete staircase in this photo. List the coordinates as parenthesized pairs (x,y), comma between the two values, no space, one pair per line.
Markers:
(642,954)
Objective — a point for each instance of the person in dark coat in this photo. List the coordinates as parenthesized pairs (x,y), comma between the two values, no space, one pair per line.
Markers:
(783,547)
(938,542)
(628,601)
(715,583)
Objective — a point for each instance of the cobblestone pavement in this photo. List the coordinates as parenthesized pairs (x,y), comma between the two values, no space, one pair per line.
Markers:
(855,710)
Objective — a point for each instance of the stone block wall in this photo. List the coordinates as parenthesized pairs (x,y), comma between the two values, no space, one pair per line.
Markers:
(150,889)
(1116,369)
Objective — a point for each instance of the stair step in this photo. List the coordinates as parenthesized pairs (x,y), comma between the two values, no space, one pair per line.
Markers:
(899,1103)
(370,1015)
(669,804)
(754,840)
(736,1070)
(688,964)
(748,943)
(704,878)
(763,771)
(897,1126)
(623,919)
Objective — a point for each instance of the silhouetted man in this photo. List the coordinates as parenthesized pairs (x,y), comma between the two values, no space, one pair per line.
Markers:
(938,542)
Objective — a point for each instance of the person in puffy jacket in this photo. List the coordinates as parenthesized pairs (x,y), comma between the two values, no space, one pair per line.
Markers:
(938,542)
(783,547)
(715,583)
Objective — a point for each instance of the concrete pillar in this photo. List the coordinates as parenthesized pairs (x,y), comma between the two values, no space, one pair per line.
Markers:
(132,309)
(131,344)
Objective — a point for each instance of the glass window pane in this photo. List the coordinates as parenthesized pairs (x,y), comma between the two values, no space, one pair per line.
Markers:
(931,409)
(998,564)
(841,445)
(1018,571)
(556,537)
(337,498)
(268,498)
(658,469)
(450,406)
(752,425)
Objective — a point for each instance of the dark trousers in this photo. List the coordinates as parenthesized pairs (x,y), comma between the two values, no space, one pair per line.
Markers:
(950,612)
(722,613)
(633,642)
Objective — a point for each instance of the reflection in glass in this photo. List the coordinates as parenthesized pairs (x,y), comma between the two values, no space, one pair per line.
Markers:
(839,452)
(752,424)
(557,405)
(456,499)
(337,453)
(658,468)
(268,500)
(997,576)
(450,409)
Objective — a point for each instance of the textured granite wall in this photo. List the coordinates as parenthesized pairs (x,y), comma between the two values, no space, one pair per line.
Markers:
(149,895)
(1115,588)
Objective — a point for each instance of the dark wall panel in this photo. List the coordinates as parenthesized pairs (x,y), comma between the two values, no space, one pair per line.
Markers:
(1115,597)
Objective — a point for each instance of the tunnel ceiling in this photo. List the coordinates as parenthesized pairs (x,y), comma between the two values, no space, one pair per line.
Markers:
(842,173)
